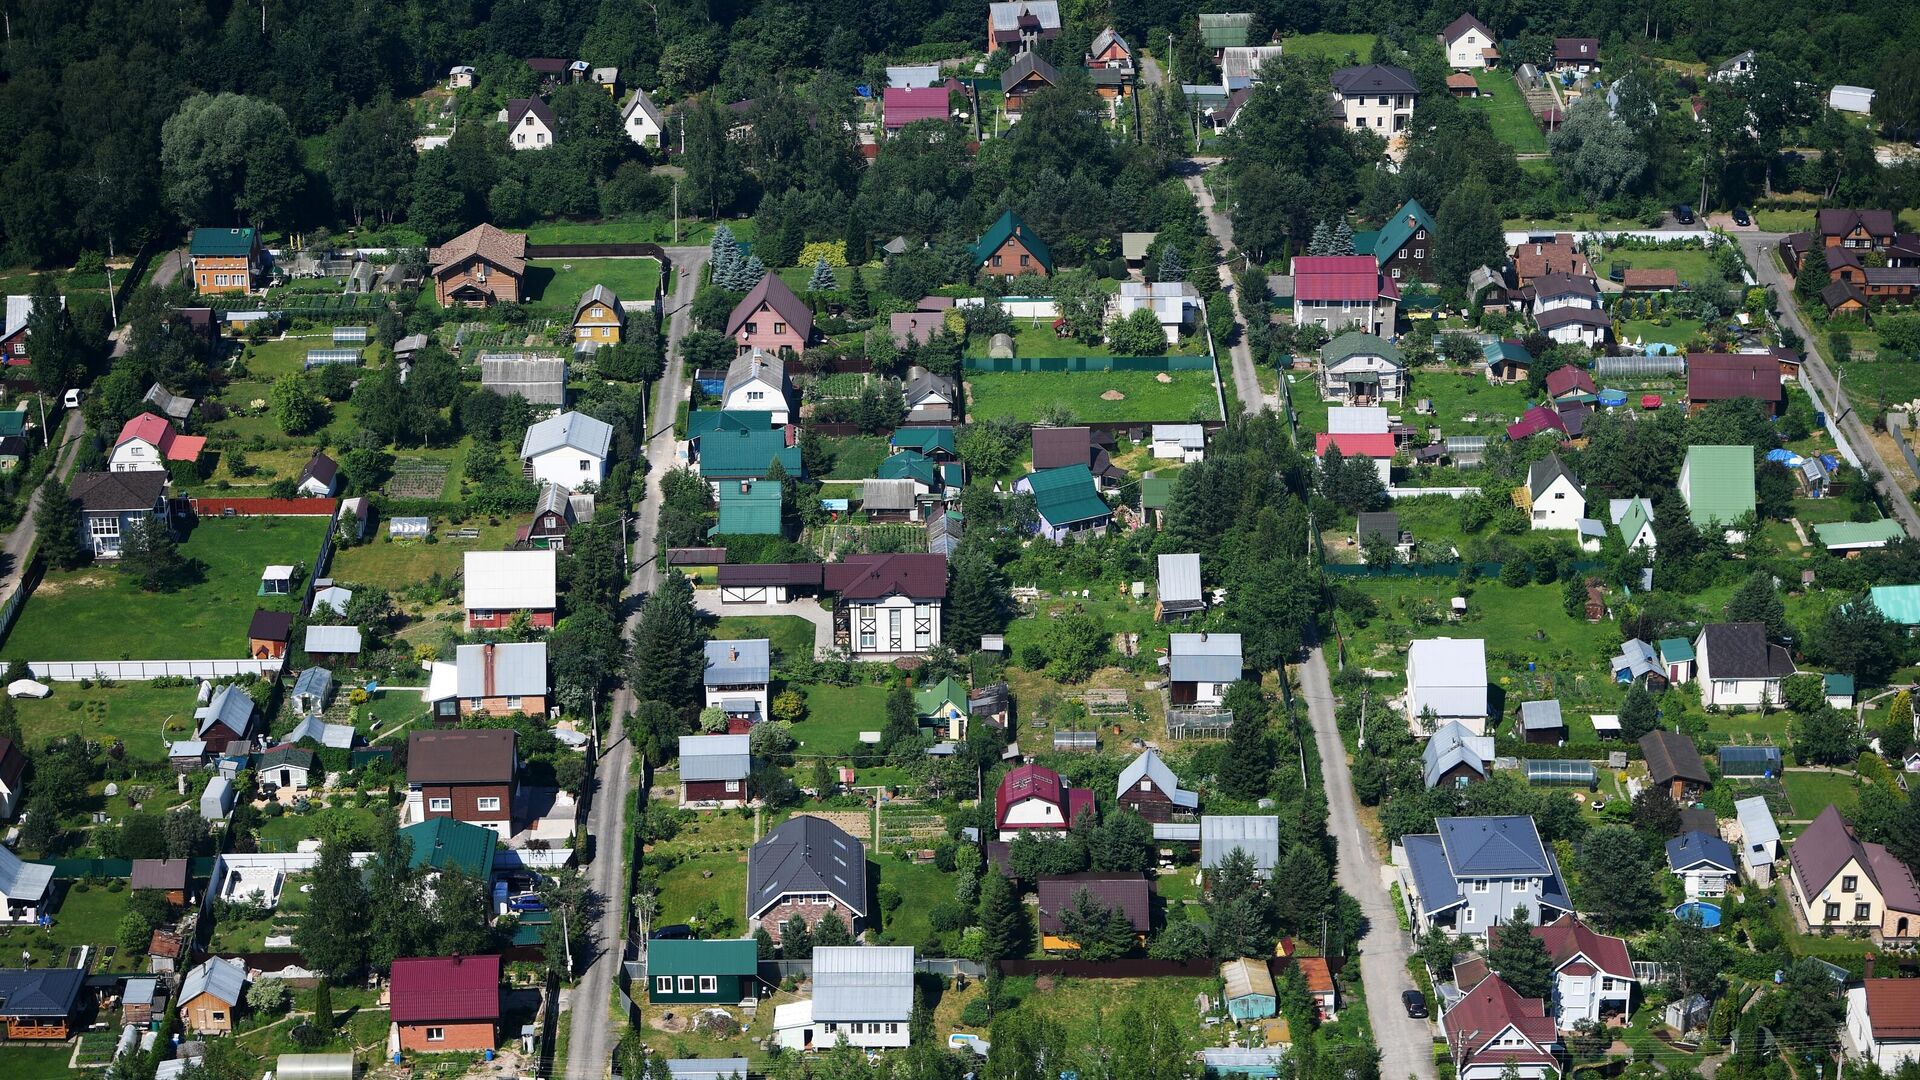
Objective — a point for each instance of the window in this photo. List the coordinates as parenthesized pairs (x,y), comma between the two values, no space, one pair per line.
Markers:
(1025,261)
(481,613)
(996,260)
(893,1029)
(1862,912)
(217,1015)
(753,328)
(1519,884)
(733,785)
(1146,785)
(488,802)
(1420,234)
(1850,883)
(438,1034)
(585,465)
(476,703)
(709,984)
(513,703)
(440,804)
(756,395)
(1419,253)
(663,985)
(1466,916)
(103,526)
(687,984)
(1479,886)
(1396,270)
(779,328)
(832,1026)
(1384,99)
(1833,912)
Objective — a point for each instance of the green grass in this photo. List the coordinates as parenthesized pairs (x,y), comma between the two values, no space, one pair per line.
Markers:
(143,716)
(1034,337)
(24,1061)
(855,457)
(1455,397)
(1784,221)
(1874,385)
(641,230)
(1695,267)
(271,359)
(285,833)
(97,613)
(836,715)
(791,636)
(1082,1006)
(1678,331)
(686,887)
(921,886)
(91,917)
(1812,792)
(1507,113)
(556,285)
(1028,395)
(394,565)
(1333,46)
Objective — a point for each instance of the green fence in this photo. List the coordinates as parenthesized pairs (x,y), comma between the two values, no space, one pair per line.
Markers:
(1088,363)
(1446,569)
(75,869)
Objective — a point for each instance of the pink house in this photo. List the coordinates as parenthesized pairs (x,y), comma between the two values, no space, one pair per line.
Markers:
(771,318)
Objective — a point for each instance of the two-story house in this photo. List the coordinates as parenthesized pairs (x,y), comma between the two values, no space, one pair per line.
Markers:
(1593,976)
(598,319)
(736,679)
(466,774)
(862,995)
(642,120)
(771,318)
(1492,1032)
(1455,756)
(1840,882)
(1576,56)
(1035,799)
(757,381)
(1201,667)
(1447,676)
(570,449)
(1404,245)
(1704,864)
(1472,872)
(1176,304)
(1008,249)
(226,260)
(500,585)
(17,331)
(226,720)
(1019,24)
(531,124)
(1337,292)
(148,443)
(1469,45)
(1359,368)
(807,866)
(1149,788)
(1554,497)
(112,503)
(1717,484)
(502,679)
(1376,97)
(1028,75)
(479,267)
(887,605)
(1737,665)
(442,1004)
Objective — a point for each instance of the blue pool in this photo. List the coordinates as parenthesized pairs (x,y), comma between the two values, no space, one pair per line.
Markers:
(1708,914)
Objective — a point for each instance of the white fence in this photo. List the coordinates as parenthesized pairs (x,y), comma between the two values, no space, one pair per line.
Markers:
(1020,307)
(1416,492)
(141,670)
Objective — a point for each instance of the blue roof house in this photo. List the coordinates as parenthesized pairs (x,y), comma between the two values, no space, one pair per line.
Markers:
(1471,872)
(1703,862)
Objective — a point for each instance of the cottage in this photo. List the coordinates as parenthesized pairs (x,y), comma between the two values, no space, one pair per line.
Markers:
(1633,520)
(168,877)
(1494,1032)
(113,503)
(268,634)
(757,382)
(1759,839)
(642,120)
(1067,502)
(1447,677)
(148,443)
(1674,763)
(444,845)
(1592,973)
(288,767)
(752,508)
(501,679)
(25,888)
(1149,788)
(1179,442)
(943,707)
(1178,592)
(227,718)
(479,267)
(806,867)
(319,477)
(1175,303)
(226,260)
(1838,690)
(770,318)
(1575,325)
(211,994)
(736,680)
(1359,368)
(541,380)
(1849,538)
(469,775)
(1738,666)
(598,319)
(1008,249)
(1489,291)
(690,972)
(1248,990)
(1127,894)
(1554,496)
(1455,756)
(1375,97)
(1717,483)
(862,995)
(1715,377)
(17,329)
(1336,292)
(714,771)
(1019,24)
(1469,45)
(929,397)
(502,585)
(1576,56)
(531,124)
(1883,1020)
(1840,882)
(1472,872)
(903,105)
(445,1004)
(554,516)
(1379,449)
(1055,447)
(1541,722)
(1034,799)
(1703,863)
(1256,836)
(41,1003)
(728,454)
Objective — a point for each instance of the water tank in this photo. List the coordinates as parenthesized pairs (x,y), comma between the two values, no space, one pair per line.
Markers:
(314,1067)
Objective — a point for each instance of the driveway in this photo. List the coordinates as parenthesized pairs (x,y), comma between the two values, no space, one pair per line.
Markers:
(16,545)
(708,600)
(1245,381)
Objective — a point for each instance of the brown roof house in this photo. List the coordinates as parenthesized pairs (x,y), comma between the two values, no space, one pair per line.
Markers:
(1027,76)
(771,318)
(168,876)
(268,634)
(479,267)
(1715,377)
(1124,893)
(887,604)
(468,775)
(1055,448)
(1839,882)
(1674,763)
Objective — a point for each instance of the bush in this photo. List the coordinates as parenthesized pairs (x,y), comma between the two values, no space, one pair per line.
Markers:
(977,1013)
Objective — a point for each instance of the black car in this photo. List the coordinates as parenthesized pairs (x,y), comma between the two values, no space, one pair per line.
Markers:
(676,932)
(1416,1003)
(1683,214)
(1741,217)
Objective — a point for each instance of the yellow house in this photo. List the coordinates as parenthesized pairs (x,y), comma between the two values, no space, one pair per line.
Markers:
(1843,883)
(598,318)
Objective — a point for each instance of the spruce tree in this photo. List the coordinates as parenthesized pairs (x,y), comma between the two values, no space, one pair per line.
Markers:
(822,278)
(1519,957)
(1322,241)
(1343,238)
(669,658)
(1249,761)
(751,272)
(1002,919)
(859,302)
(58,520)
(1638,714)
(1171,268)
(332,935)
(979,598)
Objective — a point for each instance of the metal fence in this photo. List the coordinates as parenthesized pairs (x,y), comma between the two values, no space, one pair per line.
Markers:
(142,670)
(777,971)
(1005,364)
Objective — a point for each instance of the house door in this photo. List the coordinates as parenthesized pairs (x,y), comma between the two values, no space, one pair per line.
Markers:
(286,777)
(893,630)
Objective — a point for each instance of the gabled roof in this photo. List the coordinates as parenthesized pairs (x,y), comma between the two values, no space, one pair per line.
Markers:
(602,295)
(224,980)
(1488,1010)
(774,293)
(1741,651)
(1655,277)
(1541,716)
(1569,380)
(925,439)
(1319,278)
(928,700)
(1179,580)
(1568,939)
(862,983)
(1824,849)
(290,757)
(1148,766)
(1758,830)
(1106,39)
(901,105)
(1360,343)
(1698,850)
(518,108)
(755,365)
(329,640)
(1005,15)
(1400,228)
(1725,376)
(807,854)
(1256,834)
(103,492)
(1453,744)
(1564,284)
(715,757)
(736,956)
(1039,782)
(1553,318)
(160,435)
(447,843)
(642,103)
(1576,48)
(231,707)
(503,249)
(21,880)
(1893,1008)
(542,380)
(1840,221)
(1450,674)
(749,508)
(508,669)
(221,243)
(1008,226)
(1837,293)
(429,988)
(1378,446)
(916,575)
(1374,79)
(158,874)
(1859,534)
(461,756)
(1720,484)
(1125,893)
(1028,65)
(511,580)
(1899,603)
(1066,495)
(1673,757)
(1541,475)
(1204,657)
(738,662)
(1493,846)
(729,455)
(1458,27)
(703,422)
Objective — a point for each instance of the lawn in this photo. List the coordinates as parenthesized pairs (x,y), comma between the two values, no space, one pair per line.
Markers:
(1467,403)
(556,285)
(284,833)
(1333,46)
(87,915)
(142,716)
(394,565)
(791,636)
(22,1061)
(641,230)
(687,887)
(1873,385)
(1812,792)
(1036,338)
(855,457)
(1507,113)
(1080,1006)
(1027,395)
(921,886)
(1677,332)
(97,614)
(271,359)
(836,715)
(1694,266)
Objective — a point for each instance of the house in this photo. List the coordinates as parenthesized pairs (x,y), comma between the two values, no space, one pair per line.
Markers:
(1174,303)
(444,845)
(1506,361)
(1066,501)
(806,867)
(1018,24)
(862,995)
(1128,894)
(111,504)
(1576,56)
(1838,689)
(1759,839)
(1844,298)
(147,443)
(169,877)
(1111,52)
(227,718)
(1455,756)
(570,449)
(1575,325)
(136,1002)
(211,994)
(598,319)
(714,771)
(643,120)
(1487,288)
(1376,97)
(467,774)
(269,634)
(1336,292)
(554,516)
(216,801)
(1055,447)
(1570,384)
(445,1004)
(288,767)
(887,604)
(725,454)
(1883,1020)
(770,318)
(1715,377)
(24,887)
(1840,882)
(501,679)
(226,260)
(943,707)
(1717,483)
(1378,448)
(1255,835)
(1593,972)
(1179,442)
(1149,788)
(903,105)
(1633,519)
(1469,45)
(555,71)
(16,329)
(1492,1031)
(1403,245)
(913,76)
(757,381)
(1222,31)
(736,679)
(1738,666)
(1703,863)
(501,585)
(1358,368)
(1849,538)
(1008,249)
(479,267)
(929,397)
(1900,604)
(331,645)
(1554,496)
(541,380)
(41,1003)
(1155,493)
(1738,65)
(1674,763)
(750,508)
(1654,279)
(1034,799)
(1201,667)
(1472,872)
(915,328)
(1447,677)
(319,477)
(1248,990)
(530,124)
(1178,592)
(693,972)
(1541,722)
(1240,65)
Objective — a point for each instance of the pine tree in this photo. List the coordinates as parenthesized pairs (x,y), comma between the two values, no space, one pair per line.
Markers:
(1171,268)
(58,520)
(1638,714)
(859,302)
(323,1006)
(979,599)
(669,660)
(1322,242)
(796,940)
(1343,238)
(1520,958)
(822,277)
(1002,919)
(751,272)
(724,252)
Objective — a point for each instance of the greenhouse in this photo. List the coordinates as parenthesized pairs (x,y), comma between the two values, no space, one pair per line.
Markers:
(319,357)
(1562,773)
(1607,368)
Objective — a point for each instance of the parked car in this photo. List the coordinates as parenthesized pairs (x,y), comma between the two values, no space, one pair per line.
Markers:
(1741,217)
(527,902)
(675,932)
(1416,1003)
(1683,214)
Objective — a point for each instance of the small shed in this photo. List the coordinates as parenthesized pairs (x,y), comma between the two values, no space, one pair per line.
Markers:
(1687,1015)
(1839,689)
(311,691)
(276,581)
(409,528)
(1249,990)
(217,801)
(1541,722)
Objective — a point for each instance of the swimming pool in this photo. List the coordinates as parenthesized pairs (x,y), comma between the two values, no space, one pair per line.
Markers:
(1708,914)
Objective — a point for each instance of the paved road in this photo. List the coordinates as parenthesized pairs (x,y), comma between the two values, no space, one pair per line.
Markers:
(14,549)
(1244,378)
(589,1051)
(1758,247)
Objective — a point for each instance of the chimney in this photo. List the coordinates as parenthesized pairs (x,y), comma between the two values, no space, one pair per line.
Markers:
(733,652)
(746,487)
(487,671)
(1869,965)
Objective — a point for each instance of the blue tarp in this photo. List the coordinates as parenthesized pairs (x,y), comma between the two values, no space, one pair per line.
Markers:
(1661,348)
(1613,398)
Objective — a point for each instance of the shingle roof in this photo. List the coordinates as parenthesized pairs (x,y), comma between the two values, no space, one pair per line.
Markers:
(224,980)
(1009,226)
(1458,27)
(1149,766)
(1360,343)
(1741,651)
(1256,834)
(1696,849)
(1126,893)
(738,662)
(38,992)
(1374,79)
(158,874)
(714,757)
(430,988)
(576,430)
(504,249)
(1541,475)
(460,756)
(772,292)
(1672,757)
(807,854)
(916,575)
(508,669)
(100,492)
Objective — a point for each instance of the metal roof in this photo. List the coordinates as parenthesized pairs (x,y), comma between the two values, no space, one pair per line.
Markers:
(879,494)
(1188,436)
(862,983)
(511,580)
(574,430)
(333,639)
(1719,484)
(736,956)
(519,669)
(1449,675)
(542,380)
(21,880)
(333,598)
(1493,846)
(1149,766)
(1180,577)
(740,662)
(1540,716)
(807,854)
(226,980)
(1698,849)
(1451,745)
(1256,834)
(450,844)
(1761,835)
(715,757)
(1357,420)
(230,706)
(705,1068)
(1204,657)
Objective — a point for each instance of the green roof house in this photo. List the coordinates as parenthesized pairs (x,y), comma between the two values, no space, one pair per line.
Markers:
(1839,690)
(746,455)
(448,844)
(939,443)
(1404,245)
(1717,484)
(702,422)
(702,971)
(1676,657)
(749,508)
(1899,603)
(943,705)
(1225,30)
(221,243)
(1846,537)
(1067,500)
(1155,493)
(1636,525)
(1008,248)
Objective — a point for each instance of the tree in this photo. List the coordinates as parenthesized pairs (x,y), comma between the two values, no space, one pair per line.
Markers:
(148,554)
(979,599)
(228,157)
(185,834)
(1076,645)
(1468,232)
(293,404)
(1517,956)
(1097,932)
(1825,736)
(1758,601)
(1655,813)
(1638,715)
(859,300)
(60,355)
(57,520)
(1857,639)
(1812,275)
(1137,334)
(1171,268)
(332,936)
(1618,888)
(832,930)
(1247,770)
(1003,919)
(1813,1008)
(1597,150)
(1693,956)
(903,720)
(1437,949)
(821,280)
(669,658)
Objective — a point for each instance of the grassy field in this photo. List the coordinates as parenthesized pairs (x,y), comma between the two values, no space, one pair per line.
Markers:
(1456,397)
(24,1061)
(836,715)
(97,614)
(1081,1006)
(1507,112)
(690,884)
(1036,338)
(144,717)
(285,833)
(89,917)
(1873,385)
(1693,266)
(1677,332)
(642,230)
(921,886)
(855,457)
(397,564)
(1333,46)
(791,636)
(1028,395)
(556,285)
(1812,792)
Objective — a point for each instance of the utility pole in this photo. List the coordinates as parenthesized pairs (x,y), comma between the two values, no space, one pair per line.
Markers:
(676,190)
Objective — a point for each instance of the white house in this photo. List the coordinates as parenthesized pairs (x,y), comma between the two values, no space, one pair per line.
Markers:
(1738,666)
(1200,667)
(1495,1032)
(23,888)
(1572,325)
(1704,864)
(1555,495)
(1759,839)
(889,604)
(1173,302)
(570,449)
(642,120)
(862,994)
(530,124)
(289,767)
(320,478)
(1633,518)
(757,382)
(1469,45)
(1592,972)
(736,679)
(1554,291)
(1883,1020)
(1179,442)
(1361,367)
(1449,676)
(147,443)
(1376,97)
(1737,65)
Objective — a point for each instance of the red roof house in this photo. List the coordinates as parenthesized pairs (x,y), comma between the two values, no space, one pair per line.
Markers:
(1725,376)
(1569,380)
(901,105)
(1534,421)
(1034,798)
(1352,445)
(446,1003)
(1321,278)
(1493,1027)
(147,443)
